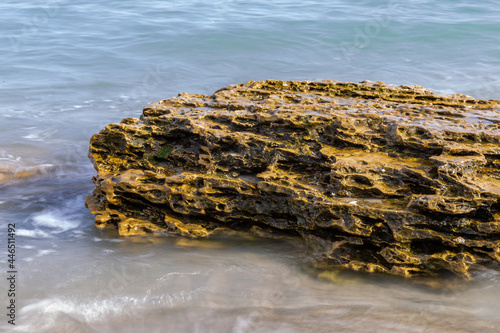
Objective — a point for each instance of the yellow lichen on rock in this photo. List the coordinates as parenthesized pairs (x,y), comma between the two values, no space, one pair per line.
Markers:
(373,177)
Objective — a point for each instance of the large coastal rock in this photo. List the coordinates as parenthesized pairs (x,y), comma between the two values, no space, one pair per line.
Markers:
(372,177)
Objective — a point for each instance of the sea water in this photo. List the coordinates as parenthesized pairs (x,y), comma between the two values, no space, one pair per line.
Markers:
(68,68)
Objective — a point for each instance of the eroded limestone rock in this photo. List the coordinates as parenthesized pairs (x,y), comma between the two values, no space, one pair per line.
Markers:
(372,177)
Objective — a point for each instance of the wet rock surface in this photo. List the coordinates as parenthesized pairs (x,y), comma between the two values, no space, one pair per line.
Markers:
(372,177)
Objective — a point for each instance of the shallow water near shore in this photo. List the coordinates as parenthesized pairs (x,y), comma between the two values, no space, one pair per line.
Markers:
(71,68)
(75,278)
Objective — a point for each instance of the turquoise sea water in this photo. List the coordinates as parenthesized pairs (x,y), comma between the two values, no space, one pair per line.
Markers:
(68,68)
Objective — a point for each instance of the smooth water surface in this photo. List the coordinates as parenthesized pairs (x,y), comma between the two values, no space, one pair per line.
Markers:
(68,68)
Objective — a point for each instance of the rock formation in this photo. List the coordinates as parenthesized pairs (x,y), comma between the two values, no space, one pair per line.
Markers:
(372,177)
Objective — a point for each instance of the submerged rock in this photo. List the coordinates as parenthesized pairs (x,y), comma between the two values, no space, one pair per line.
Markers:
(372,177)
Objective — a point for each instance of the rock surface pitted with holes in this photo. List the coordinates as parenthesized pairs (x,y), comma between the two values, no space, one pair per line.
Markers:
(372,177)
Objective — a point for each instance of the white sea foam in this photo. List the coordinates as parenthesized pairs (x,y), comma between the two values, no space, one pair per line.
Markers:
(176,274)
(32,136)
(32,233)
(45,314)
(40,135)
(245,324)
(42,253)
(54,220)
(86,311)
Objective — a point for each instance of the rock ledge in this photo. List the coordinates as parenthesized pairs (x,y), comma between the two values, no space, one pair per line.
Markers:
(372,177)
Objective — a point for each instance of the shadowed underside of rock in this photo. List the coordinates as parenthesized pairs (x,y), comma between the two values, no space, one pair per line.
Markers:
(372,177)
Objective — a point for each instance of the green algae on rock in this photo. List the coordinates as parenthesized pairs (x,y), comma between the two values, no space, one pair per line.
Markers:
(372,177)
